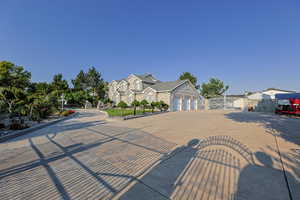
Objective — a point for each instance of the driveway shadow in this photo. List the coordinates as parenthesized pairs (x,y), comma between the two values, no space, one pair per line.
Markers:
(90,165)
(205,169)
(284,127)
(264,181)
(72,124)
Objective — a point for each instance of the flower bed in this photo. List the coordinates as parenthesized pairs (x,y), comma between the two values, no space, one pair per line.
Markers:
(67,113)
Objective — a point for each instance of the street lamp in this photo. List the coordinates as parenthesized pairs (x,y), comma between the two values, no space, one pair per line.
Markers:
(62,101)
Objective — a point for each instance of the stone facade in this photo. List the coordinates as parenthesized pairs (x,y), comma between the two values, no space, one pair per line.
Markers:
(164,96)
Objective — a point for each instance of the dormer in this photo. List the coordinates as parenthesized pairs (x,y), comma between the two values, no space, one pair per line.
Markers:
(123,86)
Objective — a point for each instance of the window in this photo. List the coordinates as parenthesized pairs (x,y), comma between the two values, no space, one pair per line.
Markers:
(137,85)
(150,97)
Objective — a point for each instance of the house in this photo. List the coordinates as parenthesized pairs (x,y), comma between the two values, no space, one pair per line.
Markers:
(267,94)
(179,94)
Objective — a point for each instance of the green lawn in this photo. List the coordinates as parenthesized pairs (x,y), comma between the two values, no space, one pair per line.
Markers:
(123,112)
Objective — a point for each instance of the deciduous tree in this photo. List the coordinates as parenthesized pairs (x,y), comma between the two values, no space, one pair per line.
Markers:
(144,104)
(214,87)
(59,85)
(13,76)
(188,76)
(135,104)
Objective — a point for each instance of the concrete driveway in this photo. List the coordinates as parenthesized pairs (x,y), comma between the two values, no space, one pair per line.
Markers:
(183,155)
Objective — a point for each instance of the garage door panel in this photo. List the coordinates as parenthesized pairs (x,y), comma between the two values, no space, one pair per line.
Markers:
(186,103)
(176,104)
(193,104)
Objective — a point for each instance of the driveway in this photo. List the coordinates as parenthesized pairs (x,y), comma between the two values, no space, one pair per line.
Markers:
(183,155)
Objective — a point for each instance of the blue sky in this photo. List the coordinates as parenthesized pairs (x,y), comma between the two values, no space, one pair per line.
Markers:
(251,45)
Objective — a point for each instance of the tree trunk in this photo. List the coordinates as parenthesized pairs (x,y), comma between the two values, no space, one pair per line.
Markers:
(9,108)
(30,113)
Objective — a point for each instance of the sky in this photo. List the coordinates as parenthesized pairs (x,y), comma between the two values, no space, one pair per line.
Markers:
(250,45)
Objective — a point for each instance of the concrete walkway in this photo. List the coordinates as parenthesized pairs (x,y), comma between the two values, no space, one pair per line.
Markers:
(195,155)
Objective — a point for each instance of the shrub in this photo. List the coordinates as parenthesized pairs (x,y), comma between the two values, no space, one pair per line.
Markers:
(165,107)
(161,105)
(135,103)
(122,104)
(153,105)
(107,101)
(67,113)
(15,126)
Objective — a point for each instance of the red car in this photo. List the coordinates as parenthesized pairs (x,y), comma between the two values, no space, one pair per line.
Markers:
(288,103)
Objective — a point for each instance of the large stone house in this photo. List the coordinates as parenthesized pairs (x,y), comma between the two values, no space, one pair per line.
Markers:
(179,95)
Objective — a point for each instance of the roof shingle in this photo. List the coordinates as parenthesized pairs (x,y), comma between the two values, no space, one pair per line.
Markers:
(169,85)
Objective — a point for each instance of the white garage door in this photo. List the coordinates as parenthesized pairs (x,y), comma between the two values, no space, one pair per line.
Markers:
(186,103)
(176,104)
(194,104)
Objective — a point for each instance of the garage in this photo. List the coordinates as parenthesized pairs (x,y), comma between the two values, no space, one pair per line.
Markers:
(183,97)
(176,104)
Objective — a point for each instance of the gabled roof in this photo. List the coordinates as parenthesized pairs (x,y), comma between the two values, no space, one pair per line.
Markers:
(278,90)
(148,78)
(167,86)
(236,95)
(118,81)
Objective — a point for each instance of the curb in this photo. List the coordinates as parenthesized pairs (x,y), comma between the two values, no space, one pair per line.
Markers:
(143,115)
(105,113)
(34,128)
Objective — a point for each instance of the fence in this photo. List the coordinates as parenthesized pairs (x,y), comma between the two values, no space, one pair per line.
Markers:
(240,103)
(218,103)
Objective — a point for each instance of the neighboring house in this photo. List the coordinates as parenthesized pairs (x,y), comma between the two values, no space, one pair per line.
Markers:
(267,94)
(263,100)
(179,95)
